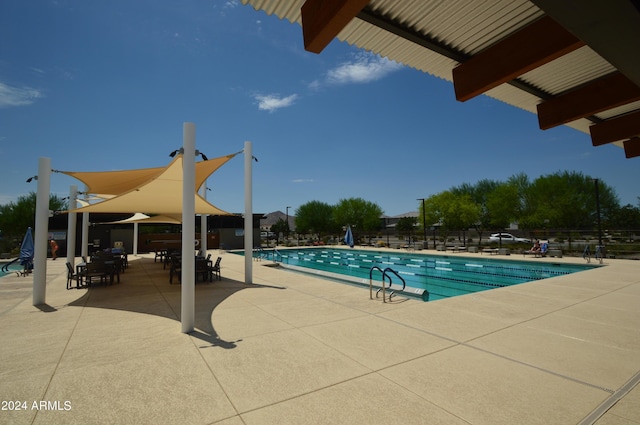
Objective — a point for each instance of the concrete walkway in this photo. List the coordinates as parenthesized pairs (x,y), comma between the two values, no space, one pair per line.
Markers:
(294,349)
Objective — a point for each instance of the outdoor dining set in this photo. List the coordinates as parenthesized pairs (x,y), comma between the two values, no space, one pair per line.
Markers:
(205,269)
(103,268)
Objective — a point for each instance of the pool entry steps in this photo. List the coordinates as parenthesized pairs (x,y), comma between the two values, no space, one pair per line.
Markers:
(386,274)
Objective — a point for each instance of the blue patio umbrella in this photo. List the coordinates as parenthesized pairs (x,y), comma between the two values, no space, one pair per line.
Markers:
(26,251)
(348,237)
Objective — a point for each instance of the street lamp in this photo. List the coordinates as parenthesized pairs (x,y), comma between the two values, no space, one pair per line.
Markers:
(424,223)
(595,181)
(287,228)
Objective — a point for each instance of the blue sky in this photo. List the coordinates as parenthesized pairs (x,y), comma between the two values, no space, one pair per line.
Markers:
(97,86)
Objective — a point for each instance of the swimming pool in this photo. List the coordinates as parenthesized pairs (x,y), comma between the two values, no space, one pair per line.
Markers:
(430,277)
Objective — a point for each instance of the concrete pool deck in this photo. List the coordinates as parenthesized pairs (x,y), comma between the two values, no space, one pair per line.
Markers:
(295,349)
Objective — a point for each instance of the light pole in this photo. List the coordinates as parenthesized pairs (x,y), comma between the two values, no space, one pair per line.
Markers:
(424,223)
(598,212)
(287,228)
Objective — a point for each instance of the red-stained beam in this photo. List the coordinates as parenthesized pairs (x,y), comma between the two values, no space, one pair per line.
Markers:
(632,147)
(605,93)
(615,129)
(536,44)
(322,20)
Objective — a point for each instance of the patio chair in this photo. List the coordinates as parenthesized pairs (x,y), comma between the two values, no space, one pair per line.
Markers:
(71,276)
(202,269)
(175,269)
(215,269)
(97,270)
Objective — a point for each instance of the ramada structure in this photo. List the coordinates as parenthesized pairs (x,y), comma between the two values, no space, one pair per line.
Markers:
(572,63)
(171,191)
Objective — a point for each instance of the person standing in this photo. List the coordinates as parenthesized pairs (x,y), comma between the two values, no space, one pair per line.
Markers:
(54,249)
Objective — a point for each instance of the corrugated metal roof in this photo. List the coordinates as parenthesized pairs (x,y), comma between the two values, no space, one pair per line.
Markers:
(466,27)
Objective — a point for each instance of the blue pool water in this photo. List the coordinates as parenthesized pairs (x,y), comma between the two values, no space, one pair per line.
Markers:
(429,276)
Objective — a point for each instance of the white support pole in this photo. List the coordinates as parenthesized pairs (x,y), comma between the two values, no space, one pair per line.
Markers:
(84,249)
(41,239)
(188,226)
(135,238)
(203,225)
(248,214)
(71,226)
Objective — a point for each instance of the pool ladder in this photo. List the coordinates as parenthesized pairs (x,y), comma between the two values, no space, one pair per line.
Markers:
(386,274)
(275,254)
(259,253)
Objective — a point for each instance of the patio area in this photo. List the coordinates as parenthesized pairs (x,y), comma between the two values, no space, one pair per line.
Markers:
(294,349)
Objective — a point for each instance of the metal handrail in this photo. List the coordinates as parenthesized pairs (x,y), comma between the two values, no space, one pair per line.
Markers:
(389,269)
(260,251)
(385,274)
(600,253)
(276,252)
(5,268)
(371,281)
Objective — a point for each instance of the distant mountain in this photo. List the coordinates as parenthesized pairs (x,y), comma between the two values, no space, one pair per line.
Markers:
(272,218)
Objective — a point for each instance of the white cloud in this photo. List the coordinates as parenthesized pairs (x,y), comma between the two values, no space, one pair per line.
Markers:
(274,102)
(230,4)
(365,68)
(303,180)
(17,96)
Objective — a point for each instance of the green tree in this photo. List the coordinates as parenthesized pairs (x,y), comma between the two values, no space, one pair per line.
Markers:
(479,194)
(279,227)
(568,200)
(626,217)
(315,217)
(363,216)
(504,203)
(15,217)
(451,210)
(406,225)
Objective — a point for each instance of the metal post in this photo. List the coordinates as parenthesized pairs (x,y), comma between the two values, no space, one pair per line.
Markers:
(434,237)
(287,229)
(424,224)
(598,212)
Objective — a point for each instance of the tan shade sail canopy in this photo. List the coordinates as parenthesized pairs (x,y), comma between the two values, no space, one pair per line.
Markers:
(143,218)
(117,182)
(151,190)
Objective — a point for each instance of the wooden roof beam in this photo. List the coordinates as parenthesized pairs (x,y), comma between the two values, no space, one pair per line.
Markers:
(605,93)
(534,45)
(322,20)
(615,129)
(632,147)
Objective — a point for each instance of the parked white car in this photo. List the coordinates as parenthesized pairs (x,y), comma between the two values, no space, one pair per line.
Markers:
(507,237)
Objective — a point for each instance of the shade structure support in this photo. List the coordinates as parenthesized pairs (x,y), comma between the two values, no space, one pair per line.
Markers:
(41,232)
(84,250)
(135,239)
(188,227)
(203,225)
(248,214)
(71,226)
